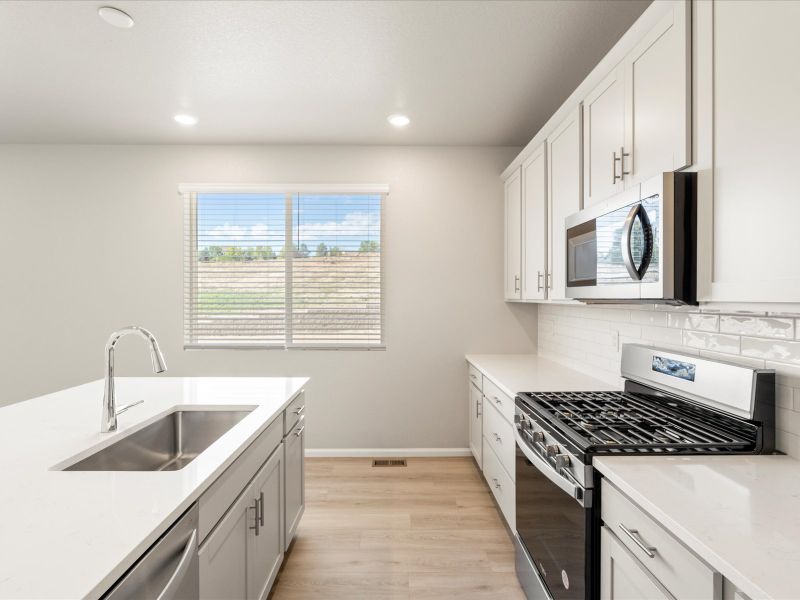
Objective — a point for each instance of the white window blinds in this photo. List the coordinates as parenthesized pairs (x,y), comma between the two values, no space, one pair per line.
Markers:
(287,269)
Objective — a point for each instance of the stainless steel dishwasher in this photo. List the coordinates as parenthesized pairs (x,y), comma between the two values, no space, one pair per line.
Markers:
(169,570)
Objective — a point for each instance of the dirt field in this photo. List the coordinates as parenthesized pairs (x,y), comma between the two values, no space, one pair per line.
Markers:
(335,300)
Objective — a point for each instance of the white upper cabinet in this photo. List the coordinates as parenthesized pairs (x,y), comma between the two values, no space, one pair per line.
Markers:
(534,211)
(513,236)
(748,238)
(637,121)
(563,196)
(604,138)
(657,99)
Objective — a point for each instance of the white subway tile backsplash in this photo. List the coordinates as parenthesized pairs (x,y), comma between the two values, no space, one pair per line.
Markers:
(700,322)
(662,334)
(772,327)
(784,396)
(779,350)
(649,318)
(711,341)
(593,336)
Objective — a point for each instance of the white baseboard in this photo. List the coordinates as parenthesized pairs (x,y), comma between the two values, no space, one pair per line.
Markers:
(385,452)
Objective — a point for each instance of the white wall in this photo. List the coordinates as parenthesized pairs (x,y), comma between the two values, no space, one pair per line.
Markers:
(92,240)
(591,336)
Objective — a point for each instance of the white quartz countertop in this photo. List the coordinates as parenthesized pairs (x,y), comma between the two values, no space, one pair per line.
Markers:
(741,514)
(69,534)
(515,373)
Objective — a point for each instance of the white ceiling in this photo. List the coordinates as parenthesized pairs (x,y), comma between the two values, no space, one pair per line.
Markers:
(467,73)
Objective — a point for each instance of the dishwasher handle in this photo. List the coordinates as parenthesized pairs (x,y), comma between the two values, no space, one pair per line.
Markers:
(174,584)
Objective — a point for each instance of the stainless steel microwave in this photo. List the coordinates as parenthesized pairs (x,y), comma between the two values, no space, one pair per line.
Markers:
(638,246)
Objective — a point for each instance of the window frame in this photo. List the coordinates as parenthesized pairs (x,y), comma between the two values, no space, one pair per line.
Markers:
(189,192)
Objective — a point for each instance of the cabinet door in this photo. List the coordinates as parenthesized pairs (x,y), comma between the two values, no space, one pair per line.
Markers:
(295,447)
(475,423)
(265,544)
(603,138)
(534,230)
(223,554)
(513,237)
(563,197)
(657,99)
(622,577)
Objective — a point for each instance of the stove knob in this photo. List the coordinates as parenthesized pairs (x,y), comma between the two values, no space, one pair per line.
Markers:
(553,451)
(562,461)
(538,437)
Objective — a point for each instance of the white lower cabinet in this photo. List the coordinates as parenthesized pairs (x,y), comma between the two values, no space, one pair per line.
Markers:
(247,530)
(640,559)
(294,449)
(265,545)
(491,440)
(622,577)
(241,557)
(476,424)
(500,483)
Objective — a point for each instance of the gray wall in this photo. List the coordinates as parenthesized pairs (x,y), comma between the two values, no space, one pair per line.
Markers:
(91,240)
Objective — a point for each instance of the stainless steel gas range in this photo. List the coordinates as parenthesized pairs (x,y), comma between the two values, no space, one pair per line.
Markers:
(671,404)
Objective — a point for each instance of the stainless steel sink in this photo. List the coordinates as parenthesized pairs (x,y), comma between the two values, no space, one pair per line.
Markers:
(169,444)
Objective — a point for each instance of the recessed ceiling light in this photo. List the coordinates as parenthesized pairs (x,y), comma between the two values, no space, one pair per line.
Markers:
(399,120)
(116,17)
(186,120)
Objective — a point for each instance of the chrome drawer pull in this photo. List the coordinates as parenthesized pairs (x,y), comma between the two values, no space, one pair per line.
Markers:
(299,432)
(473,375)
(299,410)
(634,535)
(497,438)
(256,515)
(497,400)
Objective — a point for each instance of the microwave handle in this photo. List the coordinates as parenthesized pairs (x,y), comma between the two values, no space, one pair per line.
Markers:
(637,210)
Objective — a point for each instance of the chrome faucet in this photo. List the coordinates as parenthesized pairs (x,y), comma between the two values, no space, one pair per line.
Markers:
(108,421)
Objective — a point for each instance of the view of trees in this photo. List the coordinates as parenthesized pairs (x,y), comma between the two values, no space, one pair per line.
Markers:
(244,254)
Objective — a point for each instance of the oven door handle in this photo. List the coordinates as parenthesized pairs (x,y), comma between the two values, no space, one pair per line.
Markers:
(575,491)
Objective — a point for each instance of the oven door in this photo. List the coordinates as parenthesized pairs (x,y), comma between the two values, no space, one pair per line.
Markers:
(555,525)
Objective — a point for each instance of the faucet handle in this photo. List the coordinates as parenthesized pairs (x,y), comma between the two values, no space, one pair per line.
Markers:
(125,407)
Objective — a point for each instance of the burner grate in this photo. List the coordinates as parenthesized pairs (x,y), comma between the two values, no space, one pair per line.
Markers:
(623,421)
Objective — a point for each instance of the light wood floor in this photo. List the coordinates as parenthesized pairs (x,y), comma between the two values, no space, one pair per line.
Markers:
(428,530)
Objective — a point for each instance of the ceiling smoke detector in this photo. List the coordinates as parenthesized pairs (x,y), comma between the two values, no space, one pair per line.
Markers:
(115,17)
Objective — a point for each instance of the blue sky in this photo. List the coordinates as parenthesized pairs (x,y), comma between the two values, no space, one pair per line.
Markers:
(248,220)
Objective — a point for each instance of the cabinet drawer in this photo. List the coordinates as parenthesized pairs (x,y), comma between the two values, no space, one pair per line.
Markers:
(500,400)
(475,377)
(294,411)
(676,567)
(216,499)
(499,434)
(501,485)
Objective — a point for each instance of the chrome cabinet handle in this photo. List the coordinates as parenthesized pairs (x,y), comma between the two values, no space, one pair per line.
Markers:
(299,431)
(622,155)
(256,525)
(614,168)
(496,437)
(477,408)
(548,278)
(496,483)
(473,375)
(300,410)
(497,400)
(261,508)
(170,590)
(634,535)
(516,283)
(538,281)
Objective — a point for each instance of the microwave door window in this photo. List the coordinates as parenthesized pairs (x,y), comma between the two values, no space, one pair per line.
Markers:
(611,269)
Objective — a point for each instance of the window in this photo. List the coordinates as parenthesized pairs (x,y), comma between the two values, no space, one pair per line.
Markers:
(293,267)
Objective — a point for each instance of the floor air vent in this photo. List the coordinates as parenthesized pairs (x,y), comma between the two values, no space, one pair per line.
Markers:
(389,462)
